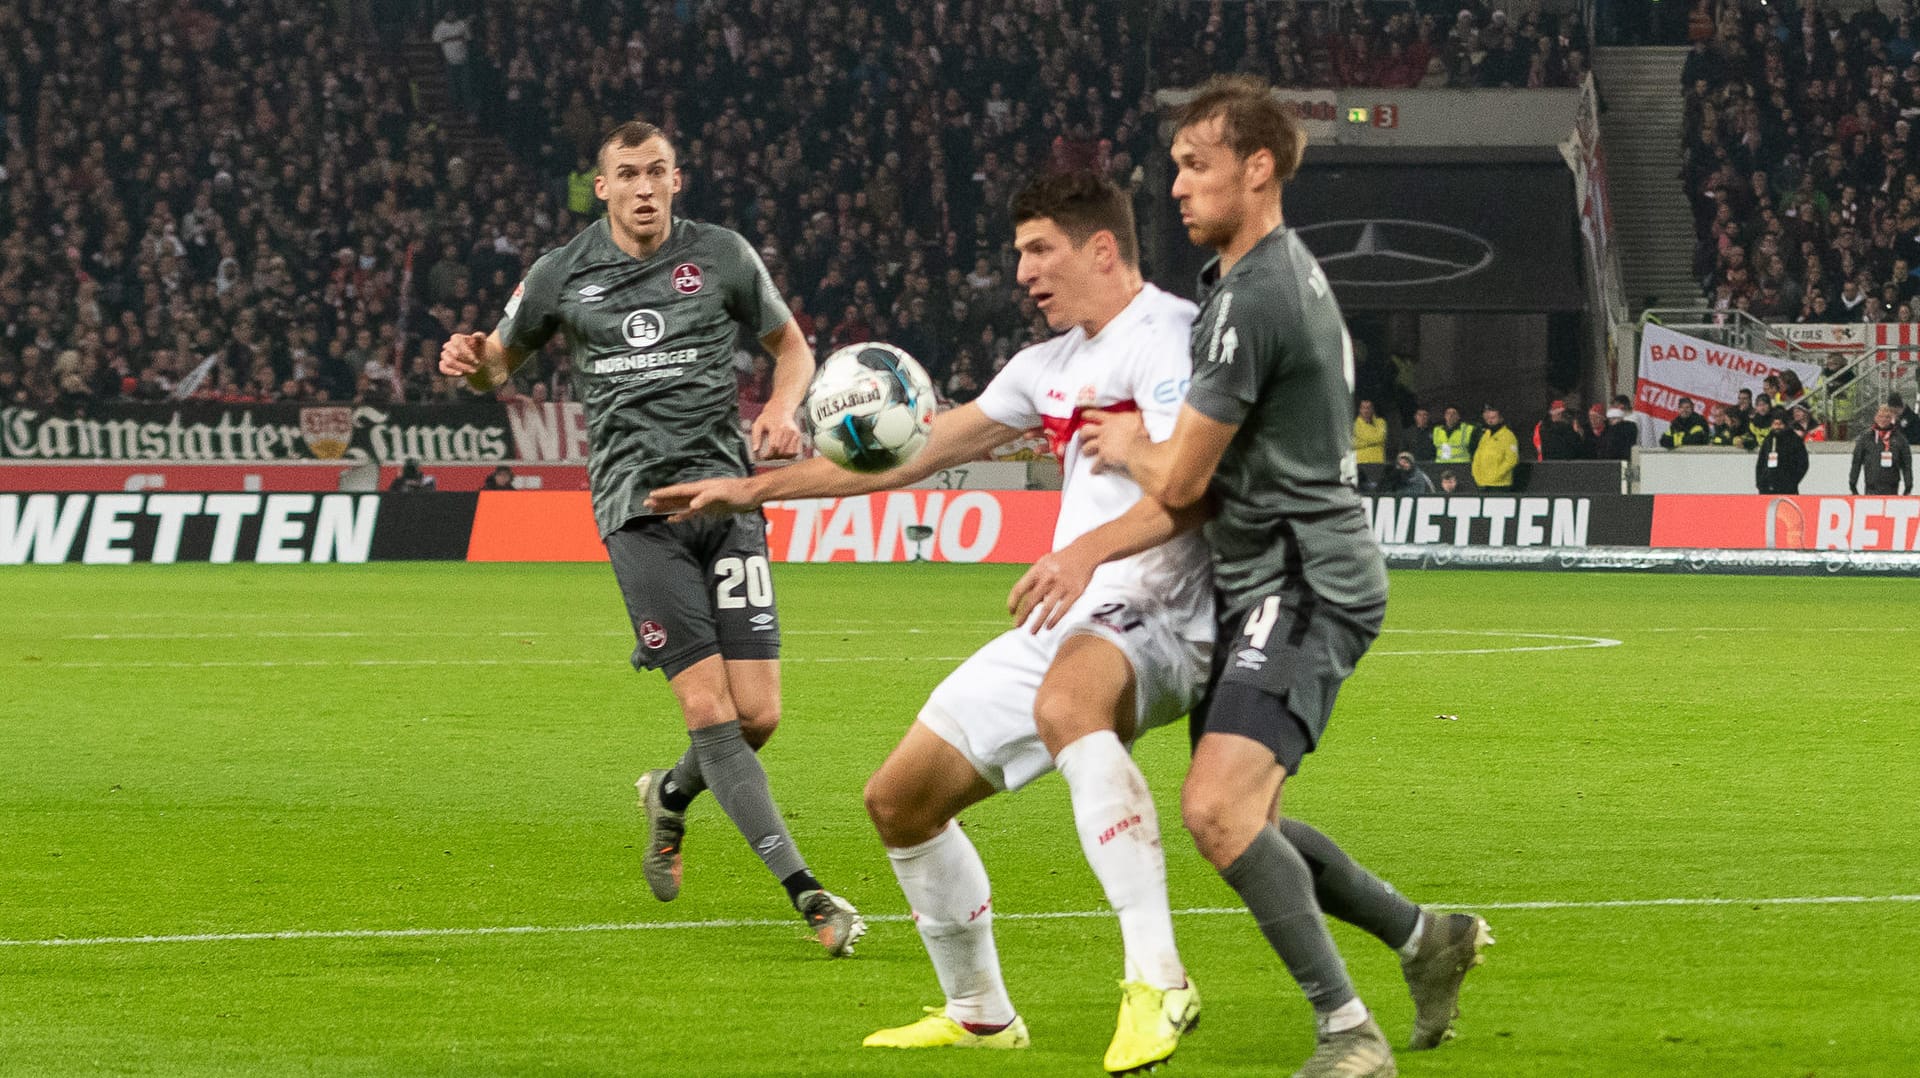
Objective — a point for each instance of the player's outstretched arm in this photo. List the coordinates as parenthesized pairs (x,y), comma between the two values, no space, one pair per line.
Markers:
(776,434)
(960,435)
(1175,472)
(1053,584)
(483,360)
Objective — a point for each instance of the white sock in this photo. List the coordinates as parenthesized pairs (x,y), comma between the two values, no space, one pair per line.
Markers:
(1412,946)
(947,887)
(1120,834)
(1346,1016)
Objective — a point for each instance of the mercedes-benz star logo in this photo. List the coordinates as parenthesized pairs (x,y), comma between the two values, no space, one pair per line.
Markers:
(1395,253)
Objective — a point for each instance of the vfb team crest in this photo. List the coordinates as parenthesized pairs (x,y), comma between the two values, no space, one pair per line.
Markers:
(687,278)
(643,329)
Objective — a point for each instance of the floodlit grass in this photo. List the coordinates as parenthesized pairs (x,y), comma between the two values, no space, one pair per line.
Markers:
(196,750)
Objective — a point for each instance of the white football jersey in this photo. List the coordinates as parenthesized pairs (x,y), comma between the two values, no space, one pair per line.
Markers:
(1138,361)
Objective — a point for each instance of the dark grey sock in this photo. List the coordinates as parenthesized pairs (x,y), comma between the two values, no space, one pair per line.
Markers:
(1277,886)
(684,783)
(1348,891)
(739,783)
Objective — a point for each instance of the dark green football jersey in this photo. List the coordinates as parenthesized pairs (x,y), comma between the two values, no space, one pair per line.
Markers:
(652,343)
(1271,354)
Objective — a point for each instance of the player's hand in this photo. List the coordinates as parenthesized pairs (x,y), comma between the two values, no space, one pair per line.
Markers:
(1109,438)
(1050,588)
(776,433)
(462,354)
(709,497)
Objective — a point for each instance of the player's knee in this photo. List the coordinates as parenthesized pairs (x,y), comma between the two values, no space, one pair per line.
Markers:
(758,721)
(1213,821)
(895,815)
(704,709)
(1063,717)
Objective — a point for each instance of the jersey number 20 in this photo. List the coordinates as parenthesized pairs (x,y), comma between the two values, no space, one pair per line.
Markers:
(733,572)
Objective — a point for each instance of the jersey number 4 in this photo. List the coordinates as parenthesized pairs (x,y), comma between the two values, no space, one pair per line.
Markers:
(735,572)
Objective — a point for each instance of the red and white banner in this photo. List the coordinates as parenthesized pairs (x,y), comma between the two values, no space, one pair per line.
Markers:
(1674,365)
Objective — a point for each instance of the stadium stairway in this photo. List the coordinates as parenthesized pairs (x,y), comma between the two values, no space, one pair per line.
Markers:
(427,72)
(1640,126)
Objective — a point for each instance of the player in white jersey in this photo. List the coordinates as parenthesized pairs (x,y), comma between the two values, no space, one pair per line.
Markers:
(1132,654)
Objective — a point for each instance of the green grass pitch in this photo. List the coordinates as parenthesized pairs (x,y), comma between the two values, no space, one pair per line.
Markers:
(212,751)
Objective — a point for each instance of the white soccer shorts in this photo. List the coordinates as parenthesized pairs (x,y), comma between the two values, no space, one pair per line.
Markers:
(985,707)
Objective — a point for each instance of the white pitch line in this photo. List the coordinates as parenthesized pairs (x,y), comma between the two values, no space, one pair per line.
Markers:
(273,664)
(459,633)
(895,918)
(1569,643)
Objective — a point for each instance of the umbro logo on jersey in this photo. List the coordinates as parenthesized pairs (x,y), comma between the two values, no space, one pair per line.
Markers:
(1249,659)
(592,293)
(687,278)
(761,622)
(643,329)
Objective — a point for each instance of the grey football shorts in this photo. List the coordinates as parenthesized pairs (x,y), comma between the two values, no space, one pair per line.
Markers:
(695,589)
(1278,662)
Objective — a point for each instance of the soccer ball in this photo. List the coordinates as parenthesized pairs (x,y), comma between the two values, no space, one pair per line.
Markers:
(869,407)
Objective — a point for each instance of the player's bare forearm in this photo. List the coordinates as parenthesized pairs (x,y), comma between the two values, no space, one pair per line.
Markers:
(792,366)
(1146,525)
(958,436)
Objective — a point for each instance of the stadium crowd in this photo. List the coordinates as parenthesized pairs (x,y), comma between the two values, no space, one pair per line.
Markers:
(250,202)
(1801,161)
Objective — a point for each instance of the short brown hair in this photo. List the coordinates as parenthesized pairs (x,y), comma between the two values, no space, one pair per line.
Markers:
(631,134)
(1082,203)
(1250,120)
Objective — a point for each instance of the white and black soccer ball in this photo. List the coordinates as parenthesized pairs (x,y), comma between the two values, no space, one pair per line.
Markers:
(870,407)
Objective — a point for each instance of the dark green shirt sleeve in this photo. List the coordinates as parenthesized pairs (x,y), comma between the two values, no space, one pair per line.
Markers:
(1238,348)
(751,298)
(533,314)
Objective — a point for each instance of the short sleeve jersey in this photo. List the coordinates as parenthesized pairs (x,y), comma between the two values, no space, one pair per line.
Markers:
(652,343)
(1138,361)
(1271,355)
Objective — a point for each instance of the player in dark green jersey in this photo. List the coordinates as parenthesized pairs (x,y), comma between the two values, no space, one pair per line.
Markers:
(650,305)
(1263,453)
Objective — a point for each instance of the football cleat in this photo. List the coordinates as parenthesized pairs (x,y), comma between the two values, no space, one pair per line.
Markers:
(835,923)
(1450,945)
(1360,1052)
(936,1030)
(665,830)
(1151,1023)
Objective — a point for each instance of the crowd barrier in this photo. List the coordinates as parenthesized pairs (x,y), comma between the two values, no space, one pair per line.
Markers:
(1879,534)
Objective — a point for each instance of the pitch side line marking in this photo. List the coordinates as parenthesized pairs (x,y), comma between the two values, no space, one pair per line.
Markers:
(358,634)
(898,918)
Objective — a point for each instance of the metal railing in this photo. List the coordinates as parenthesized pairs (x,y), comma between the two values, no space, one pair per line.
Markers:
(1852,393)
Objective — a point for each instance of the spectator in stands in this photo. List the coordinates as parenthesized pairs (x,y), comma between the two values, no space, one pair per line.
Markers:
(1741,413)
(1686,428)
(1800,418)
(1904,418)
(411,479)
(1495,452)
(1369,436)
(1405,477)
(1622,411)
(1452,439)
(1730,428)
(501,478)
(1884,456)
(1449,482)
(1418,437)
(964,383)
(1782,461)
(1554,437)
(1608,436)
